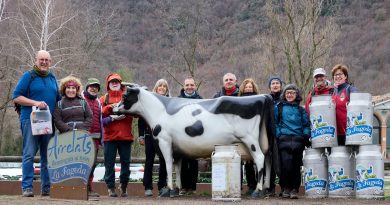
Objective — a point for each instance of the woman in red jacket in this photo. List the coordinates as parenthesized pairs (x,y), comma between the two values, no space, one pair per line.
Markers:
(118,136)
(341,97)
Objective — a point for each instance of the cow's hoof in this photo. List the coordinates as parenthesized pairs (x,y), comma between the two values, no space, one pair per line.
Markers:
(164,192)
(174,193)
(257,194)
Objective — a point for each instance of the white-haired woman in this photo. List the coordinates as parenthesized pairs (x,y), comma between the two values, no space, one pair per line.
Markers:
(151,148)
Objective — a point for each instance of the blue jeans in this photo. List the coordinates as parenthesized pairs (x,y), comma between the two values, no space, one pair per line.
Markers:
(30,147)
(110,149)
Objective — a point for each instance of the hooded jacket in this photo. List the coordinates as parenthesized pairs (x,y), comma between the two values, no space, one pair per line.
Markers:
(116,130)
(292,122)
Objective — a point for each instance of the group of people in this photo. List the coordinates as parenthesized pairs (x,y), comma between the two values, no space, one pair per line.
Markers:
(76,108)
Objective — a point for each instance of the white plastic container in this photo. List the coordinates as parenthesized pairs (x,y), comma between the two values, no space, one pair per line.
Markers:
(226,173)
(41,122)
(369,173)
(360,113)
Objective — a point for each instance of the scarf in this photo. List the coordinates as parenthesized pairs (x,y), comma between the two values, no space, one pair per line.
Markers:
(230,91)
(89,96)
(40,72)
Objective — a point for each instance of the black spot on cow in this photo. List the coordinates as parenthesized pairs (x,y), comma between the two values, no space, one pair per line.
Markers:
(196,112)
(195,130)
(156,130)
(253,148)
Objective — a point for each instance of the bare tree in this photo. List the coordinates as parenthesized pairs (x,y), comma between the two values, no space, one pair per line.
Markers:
(305,38)
(186,26)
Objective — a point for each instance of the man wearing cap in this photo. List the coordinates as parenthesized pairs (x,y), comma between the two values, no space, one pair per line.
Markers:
(321,86)
(230,87)
(90,94)
(118,136)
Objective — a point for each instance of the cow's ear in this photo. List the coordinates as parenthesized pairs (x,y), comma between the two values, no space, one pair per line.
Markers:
(134,90)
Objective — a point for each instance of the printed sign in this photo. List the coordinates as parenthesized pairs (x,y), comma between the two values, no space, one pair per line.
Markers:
(70,156)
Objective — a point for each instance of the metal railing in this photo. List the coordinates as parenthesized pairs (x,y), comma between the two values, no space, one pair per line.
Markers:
(98,160)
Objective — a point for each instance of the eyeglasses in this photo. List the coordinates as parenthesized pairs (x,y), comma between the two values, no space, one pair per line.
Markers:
(291,92)
(229,79)
(189,85)
(339,74)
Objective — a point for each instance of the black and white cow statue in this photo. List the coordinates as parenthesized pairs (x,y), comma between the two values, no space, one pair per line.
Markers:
(192,127)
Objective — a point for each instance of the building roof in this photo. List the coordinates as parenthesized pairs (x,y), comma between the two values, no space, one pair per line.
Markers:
(380,98)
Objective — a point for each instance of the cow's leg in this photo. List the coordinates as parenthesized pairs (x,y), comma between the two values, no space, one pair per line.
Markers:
(258,156)
(178,177)
(267,179)
(166,150)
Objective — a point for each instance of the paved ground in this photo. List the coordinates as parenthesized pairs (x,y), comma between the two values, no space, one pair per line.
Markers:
(38,200)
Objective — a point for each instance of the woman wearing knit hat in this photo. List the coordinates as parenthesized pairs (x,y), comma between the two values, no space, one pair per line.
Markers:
(275,86)
(292,132)
(72,112)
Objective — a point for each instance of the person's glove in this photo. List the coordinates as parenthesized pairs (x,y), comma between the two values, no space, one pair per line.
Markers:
(117,117)
(141,140)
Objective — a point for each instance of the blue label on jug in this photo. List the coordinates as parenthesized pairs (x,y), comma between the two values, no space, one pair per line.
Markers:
(375,182)
(315,184)
(341,184)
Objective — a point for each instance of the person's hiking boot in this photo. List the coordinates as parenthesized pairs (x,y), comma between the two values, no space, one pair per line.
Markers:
(45,193)
(123,191)
(183,192)
(112,193)
(249,192)
(28,193)
(286,193)
(164,192)
(270,192)
(148,192)
(294,194)
(93,194)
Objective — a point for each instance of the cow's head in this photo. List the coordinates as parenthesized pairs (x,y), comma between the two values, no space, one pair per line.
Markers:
(129,98)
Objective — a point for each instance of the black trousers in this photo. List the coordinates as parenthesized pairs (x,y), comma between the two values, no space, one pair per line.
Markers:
(291,168)
(250,174)
(110,149)
(189,173)
(151,149)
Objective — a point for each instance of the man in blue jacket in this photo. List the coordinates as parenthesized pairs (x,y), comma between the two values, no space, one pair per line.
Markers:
(37,87)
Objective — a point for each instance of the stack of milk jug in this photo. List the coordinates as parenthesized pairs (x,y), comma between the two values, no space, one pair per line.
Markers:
(348,171)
